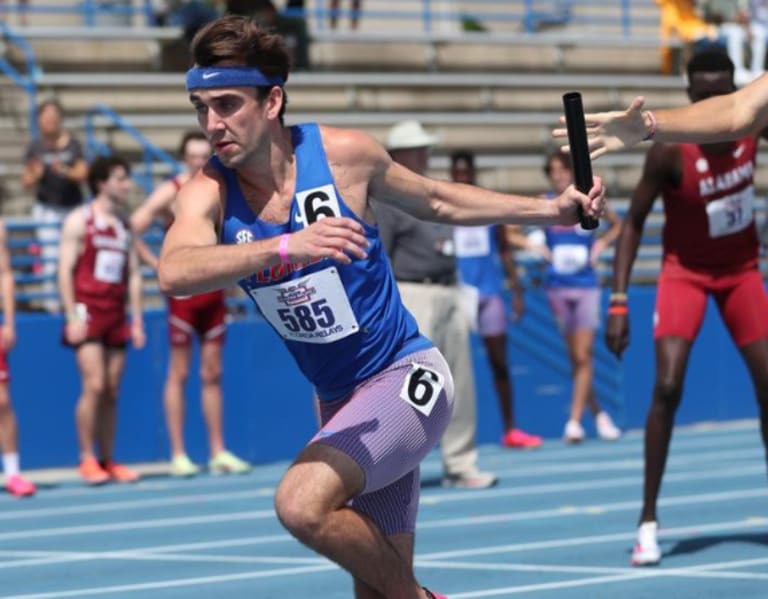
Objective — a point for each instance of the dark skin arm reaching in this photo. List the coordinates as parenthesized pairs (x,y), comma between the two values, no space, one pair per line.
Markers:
(662,166)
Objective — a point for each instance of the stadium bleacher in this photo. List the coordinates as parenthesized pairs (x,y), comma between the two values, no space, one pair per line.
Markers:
(497,92)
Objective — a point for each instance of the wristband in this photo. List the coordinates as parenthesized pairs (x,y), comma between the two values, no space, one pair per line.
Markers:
(618,310)
(652,131)
(283,249)
(618,297)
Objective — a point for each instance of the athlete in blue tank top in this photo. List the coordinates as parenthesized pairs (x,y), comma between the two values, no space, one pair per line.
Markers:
(342,322)
(477,253)
(571,251)
(286,212)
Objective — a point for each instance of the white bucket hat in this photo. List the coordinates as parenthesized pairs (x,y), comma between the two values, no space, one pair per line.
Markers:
(409,134)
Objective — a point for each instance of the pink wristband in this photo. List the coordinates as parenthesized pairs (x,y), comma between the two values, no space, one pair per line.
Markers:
(283,249)
(652,130)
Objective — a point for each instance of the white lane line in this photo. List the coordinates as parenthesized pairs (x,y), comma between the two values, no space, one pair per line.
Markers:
(628,575)
(140,504)
(571,510)
(664,534)
(173,583)
(137,525)
(608,483)
(560,512)
(702,572)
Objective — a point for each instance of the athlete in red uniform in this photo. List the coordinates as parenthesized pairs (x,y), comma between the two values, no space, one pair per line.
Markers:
(98,271)
(201,316)
(15,484)
(710,249)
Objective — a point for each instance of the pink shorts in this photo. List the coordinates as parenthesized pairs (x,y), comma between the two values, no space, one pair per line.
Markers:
(388,425)
(491,316)
(575,308)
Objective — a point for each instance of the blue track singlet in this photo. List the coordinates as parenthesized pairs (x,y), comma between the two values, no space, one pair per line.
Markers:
(342,323)
(571,248)
(477,252)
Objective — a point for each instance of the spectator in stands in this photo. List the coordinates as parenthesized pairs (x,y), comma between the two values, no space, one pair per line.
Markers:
(15,484)
(758,18)
(22,11)
(572,286)
(424,263)
(733,20)
(679,20)
(202,316)
(55,168)
(479,250)
(191,15)
(292,28)
(354,15)
(98,272)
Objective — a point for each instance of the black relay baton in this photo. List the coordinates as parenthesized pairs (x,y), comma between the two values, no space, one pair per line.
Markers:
(577,140)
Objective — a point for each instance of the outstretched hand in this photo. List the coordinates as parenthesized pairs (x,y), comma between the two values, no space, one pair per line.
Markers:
(611,131)
(338,238)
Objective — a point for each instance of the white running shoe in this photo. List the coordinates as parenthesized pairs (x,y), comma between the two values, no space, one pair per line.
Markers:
(646,551)
(606,429)
(574,432)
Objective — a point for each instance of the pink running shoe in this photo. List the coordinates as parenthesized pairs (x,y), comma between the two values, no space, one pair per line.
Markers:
(518,439)
(433,595)
(20,487)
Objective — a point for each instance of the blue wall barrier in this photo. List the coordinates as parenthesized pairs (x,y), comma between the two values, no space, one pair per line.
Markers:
(268,406)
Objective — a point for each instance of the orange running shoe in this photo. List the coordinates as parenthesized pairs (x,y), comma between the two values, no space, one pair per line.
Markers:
(92,473)
(120,473)
(19,487)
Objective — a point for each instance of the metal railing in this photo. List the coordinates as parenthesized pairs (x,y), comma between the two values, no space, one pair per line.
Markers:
(103,121)
(531,15)
(93,12)
(26,81)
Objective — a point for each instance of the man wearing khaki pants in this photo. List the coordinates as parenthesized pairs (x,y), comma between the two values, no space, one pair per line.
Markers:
(424,263)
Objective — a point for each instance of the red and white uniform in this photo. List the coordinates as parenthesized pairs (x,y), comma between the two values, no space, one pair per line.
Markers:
(203,315)
(101,279)
(711,246)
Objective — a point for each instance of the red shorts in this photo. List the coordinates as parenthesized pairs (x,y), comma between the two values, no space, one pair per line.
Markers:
(681,302)
(5,373)
(202,315)
(106,326)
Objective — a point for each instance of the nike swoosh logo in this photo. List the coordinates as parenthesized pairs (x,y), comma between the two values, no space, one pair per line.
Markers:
(738,151)
(211,75)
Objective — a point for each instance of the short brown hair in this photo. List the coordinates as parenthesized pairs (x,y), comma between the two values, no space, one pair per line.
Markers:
(100,170)
(243,41)
(189,136)
(560,156)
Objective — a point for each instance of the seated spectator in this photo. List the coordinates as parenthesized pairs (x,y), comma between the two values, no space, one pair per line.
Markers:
(732,18)
(293,29)
(680,21)
(354,17)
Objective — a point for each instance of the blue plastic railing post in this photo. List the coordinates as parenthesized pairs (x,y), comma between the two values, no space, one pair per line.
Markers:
(626,17)
(426,16)
(89,12)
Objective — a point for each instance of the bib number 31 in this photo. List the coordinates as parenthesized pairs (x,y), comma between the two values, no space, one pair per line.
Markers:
(422,387)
